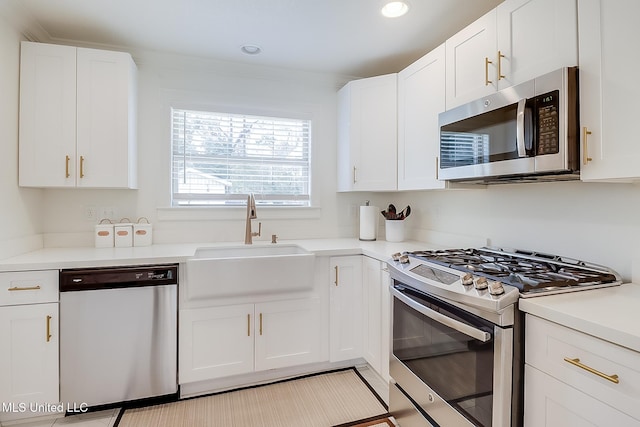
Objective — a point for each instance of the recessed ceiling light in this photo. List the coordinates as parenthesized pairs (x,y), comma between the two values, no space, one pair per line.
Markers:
(251,49)
(394,9)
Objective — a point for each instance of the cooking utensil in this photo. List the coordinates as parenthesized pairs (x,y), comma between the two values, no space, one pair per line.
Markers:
(404,213)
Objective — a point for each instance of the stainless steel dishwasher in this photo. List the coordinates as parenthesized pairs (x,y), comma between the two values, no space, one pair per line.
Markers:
(118,334)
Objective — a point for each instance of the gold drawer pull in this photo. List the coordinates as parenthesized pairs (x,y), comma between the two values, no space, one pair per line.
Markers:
(28,288)
(487,82)
(49,328)
(576,362)
(336,281)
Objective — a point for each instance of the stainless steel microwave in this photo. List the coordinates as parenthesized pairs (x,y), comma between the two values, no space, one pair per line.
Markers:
(527,132)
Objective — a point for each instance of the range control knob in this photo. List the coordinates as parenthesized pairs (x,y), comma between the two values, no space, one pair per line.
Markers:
(467,279)
(396,256)
(404,259)
(481,283)
(496,288)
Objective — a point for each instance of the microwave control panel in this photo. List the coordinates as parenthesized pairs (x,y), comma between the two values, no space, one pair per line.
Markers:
(548,123)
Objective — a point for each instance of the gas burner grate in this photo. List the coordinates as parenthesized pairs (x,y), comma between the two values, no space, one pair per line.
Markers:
(528,271)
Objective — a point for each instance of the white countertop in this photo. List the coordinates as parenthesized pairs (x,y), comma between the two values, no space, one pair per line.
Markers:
(84,257)
(612,314)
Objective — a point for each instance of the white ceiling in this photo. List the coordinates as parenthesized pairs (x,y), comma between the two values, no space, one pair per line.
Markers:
(348,37)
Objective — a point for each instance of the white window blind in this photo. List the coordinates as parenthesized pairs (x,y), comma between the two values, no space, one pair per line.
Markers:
(219,158)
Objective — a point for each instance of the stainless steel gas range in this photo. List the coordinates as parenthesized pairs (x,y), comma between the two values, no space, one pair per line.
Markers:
(457,334)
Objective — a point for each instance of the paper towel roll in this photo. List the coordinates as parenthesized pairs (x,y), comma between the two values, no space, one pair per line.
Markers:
(368,222)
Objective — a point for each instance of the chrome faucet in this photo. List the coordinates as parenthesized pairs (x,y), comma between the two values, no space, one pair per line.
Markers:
(251,214)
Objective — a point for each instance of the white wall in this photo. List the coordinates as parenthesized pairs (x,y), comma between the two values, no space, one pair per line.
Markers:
(595,222)
(21,209)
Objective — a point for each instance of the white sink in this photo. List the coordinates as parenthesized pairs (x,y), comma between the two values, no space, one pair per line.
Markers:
(248,270)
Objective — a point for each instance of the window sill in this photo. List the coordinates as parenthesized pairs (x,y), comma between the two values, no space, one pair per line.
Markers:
(200,213)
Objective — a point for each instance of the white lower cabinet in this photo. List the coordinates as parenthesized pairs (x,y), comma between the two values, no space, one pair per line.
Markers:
(376,321)
(218,342)
(345,315)
(552,403)
(574,379)
(29,375)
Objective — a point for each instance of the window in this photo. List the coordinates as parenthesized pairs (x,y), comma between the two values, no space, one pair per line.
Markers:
(218,158)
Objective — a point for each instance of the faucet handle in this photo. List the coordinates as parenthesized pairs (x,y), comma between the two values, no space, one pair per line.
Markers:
(257,233)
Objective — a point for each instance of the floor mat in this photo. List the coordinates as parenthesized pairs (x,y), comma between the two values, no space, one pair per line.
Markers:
(315,401)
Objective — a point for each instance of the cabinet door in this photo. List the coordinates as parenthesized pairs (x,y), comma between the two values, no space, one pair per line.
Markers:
(535,37)
(551,403)
(421,97)
(471,61)
(106,119)
(345,317)
(287,333)
(28,357)
(367,134)
(372,312)
(47,115)
(215,342)
(609,89)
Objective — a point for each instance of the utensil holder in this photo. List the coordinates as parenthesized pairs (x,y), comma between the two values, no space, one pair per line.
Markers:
(394,230)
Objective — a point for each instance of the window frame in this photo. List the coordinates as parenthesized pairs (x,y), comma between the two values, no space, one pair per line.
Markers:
(239,199)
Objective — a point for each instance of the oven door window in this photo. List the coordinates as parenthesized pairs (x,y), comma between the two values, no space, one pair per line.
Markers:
(457,367)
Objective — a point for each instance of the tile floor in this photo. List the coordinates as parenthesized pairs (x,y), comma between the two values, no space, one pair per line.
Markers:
(108,418)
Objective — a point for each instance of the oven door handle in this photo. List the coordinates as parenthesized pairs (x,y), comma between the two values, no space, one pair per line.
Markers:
(441,318)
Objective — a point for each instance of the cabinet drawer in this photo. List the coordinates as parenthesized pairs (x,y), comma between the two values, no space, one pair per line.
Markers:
(28,287)
(550,346)
(551,403)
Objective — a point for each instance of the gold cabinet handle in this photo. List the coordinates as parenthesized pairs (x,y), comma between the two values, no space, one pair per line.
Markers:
(248,325)
(500,56)
(260,323)
(487,82)
(336,281)
(48,328)
(81,166)
(28,288)
(66,166)
(576,362)
(585,155)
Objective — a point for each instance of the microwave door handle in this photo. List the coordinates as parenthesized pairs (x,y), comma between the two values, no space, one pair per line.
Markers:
(441,318)
(520,126)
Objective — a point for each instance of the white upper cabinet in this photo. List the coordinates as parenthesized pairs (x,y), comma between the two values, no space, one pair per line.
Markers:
(367,134)
(535,37)
(470,75)
(77,117)
(515,42)
(421,97)
(608,89)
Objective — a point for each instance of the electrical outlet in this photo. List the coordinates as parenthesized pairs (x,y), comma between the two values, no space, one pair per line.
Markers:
(107,212)
(90,213)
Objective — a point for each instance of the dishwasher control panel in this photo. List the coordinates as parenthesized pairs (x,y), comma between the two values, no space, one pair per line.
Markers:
(117,277)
